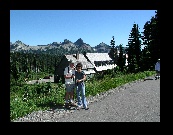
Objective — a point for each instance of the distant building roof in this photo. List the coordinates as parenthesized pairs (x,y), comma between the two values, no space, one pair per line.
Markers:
(98,57)
(88,59)
(86,64)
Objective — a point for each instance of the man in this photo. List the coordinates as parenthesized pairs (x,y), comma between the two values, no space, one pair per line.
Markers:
(157,68)
(69,75)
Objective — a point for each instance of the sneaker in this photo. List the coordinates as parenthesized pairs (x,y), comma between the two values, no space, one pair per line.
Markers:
(67,106)
(86,108)
(79,107)
(72,104)
(156,78)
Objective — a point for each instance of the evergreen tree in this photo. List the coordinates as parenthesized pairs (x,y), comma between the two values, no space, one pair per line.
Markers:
(151,39)
(13,67)
(35,63)
(121,59)
(146,60)
(134,50)
(113,53)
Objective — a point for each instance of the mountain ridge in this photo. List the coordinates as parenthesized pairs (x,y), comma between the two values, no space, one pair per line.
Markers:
(66,45)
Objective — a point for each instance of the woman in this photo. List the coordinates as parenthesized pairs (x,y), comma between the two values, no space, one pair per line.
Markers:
(80,77)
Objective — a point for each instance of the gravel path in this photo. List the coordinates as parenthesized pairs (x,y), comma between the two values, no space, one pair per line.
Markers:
(138,101)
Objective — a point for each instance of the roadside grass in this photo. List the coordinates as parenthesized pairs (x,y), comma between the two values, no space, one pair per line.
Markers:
(28,98)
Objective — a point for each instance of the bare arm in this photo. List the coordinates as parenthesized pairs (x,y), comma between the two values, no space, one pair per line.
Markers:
(68,77)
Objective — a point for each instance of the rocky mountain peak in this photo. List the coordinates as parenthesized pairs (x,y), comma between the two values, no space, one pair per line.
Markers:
(66,41)
(79,42)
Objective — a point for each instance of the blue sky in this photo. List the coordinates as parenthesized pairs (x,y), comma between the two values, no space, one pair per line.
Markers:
(42,27)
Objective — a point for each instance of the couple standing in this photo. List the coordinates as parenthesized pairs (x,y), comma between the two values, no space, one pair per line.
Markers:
(75,79)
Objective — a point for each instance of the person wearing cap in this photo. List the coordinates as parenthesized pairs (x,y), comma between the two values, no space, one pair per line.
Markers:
(157,69)
(69,75)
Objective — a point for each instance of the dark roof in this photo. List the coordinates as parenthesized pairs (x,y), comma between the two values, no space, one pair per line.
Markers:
(86,64)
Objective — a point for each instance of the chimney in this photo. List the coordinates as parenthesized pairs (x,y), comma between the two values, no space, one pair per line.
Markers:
(77,55)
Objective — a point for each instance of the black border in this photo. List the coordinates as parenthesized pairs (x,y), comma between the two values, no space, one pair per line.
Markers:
(59,5)
(85,5)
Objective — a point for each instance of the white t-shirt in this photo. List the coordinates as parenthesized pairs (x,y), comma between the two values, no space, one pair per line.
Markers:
(71,71)
(157,66)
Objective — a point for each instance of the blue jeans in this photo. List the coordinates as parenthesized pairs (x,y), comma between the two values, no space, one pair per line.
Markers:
(80,90)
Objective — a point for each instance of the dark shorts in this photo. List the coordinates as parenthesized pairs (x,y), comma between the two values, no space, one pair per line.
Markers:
(70,87)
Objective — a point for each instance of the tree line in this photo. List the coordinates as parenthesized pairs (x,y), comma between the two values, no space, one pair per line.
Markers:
(28,63)
(139,59)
